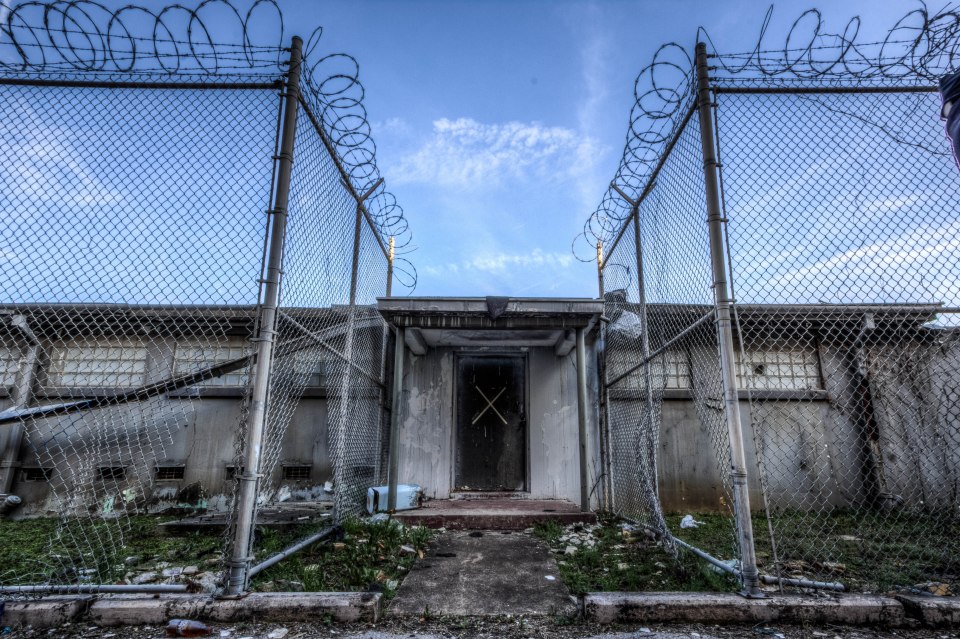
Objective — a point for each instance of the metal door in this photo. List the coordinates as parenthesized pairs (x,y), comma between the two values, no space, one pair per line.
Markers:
(491,441)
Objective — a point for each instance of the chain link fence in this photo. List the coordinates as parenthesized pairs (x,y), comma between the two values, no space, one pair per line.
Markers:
(843,236)
(835,236)
(149,214)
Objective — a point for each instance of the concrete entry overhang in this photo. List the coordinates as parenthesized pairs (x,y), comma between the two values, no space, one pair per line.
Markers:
(479,321)
(495,324)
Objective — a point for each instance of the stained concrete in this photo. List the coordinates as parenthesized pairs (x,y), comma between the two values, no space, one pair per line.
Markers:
(493,514)
(484,573)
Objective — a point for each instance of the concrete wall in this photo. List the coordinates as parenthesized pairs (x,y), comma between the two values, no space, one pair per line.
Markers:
(427,436)
(816,448)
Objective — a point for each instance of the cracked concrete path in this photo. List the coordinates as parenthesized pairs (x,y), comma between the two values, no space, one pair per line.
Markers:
(484,573)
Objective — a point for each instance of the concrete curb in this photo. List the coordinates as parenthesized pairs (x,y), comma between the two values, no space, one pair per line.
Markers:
(48,612)
(935,612)
(118,610)
(729,608)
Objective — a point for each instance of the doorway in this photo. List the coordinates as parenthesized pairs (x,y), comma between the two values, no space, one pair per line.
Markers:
(491,436)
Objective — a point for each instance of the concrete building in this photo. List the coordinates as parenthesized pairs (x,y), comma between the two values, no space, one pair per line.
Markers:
(849,402)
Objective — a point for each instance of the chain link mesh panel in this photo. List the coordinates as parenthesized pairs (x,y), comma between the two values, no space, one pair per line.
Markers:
(843,236)
(661,346)
(131,253)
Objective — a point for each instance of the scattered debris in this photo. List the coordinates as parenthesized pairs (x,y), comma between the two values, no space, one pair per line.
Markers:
(279,633)
(187,628)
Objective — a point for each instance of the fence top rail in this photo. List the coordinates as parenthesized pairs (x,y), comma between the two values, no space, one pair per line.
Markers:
(201,83)
(344,176)
(652,179)
(787,89)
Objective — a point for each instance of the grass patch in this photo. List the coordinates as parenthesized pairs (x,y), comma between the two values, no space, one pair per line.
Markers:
(368,557)
(867,551)
(615,563)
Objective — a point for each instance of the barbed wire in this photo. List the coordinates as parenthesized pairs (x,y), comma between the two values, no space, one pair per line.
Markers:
(216,37)
(920,47)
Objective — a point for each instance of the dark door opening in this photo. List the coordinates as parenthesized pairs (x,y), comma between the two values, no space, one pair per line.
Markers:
(491,423)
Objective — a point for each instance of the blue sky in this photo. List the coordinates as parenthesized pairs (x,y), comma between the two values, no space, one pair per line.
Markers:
(499,124)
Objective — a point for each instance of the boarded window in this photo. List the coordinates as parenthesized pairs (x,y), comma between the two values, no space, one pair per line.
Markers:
(98,364)
(111,472)
(169,473)
(299,472)
(36,474)
(670,370)
(190,357)
(779,370)
(10,355)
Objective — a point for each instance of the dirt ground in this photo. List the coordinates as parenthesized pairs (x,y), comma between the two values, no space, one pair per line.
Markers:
(490,628)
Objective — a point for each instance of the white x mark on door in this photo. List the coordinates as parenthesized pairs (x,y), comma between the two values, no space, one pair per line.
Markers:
(489,406)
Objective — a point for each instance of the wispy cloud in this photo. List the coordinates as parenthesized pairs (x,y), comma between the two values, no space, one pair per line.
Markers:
(49,169)
(595,59)
(498,263)
(464,153)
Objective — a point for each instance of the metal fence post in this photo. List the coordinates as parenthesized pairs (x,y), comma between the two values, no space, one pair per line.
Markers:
(582,419)
(393,468)
(600,266)
(738,464)
(239,562)
(390,257)
(651,452)
(339,451)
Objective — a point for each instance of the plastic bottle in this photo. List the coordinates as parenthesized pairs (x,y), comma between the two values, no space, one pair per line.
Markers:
(187,628)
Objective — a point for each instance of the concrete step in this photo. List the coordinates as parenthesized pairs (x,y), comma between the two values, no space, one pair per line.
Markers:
(493,514)
(475,495)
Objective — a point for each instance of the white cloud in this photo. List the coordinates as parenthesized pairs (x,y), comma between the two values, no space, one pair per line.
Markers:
(49,169)
(464,153)
(499,263)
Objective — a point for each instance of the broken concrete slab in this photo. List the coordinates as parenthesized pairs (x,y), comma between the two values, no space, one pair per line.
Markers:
(48,612)
(260,606)
(484,574)
(935,612)
(730,608)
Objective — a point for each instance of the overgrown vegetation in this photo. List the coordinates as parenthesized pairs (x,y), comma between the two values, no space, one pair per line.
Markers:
(370,556)
(366,556)
(867,552)
(631,562)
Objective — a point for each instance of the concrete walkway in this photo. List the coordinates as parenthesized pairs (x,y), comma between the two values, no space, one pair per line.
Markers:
(484,573)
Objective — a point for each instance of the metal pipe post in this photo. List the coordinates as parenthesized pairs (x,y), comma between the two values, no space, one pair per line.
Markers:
(340,438)
(339,451)
(651,452)
(600,266)
(239,562)
(290,550)
(390,257)
(582,419)
(738,462)
(393,467)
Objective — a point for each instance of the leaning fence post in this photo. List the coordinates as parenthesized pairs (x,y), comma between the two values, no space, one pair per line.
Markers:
(390,257)
(339,447)
(600,266)
(738,463)
(239,562)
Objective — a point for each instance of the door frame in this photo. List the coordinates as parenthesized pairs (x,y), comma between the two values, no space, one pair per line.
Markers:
(468,352)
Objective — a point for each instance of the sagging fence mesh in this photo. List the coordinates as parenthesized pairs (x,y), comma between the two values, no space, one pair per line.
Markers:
(142,206)
(838,232)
